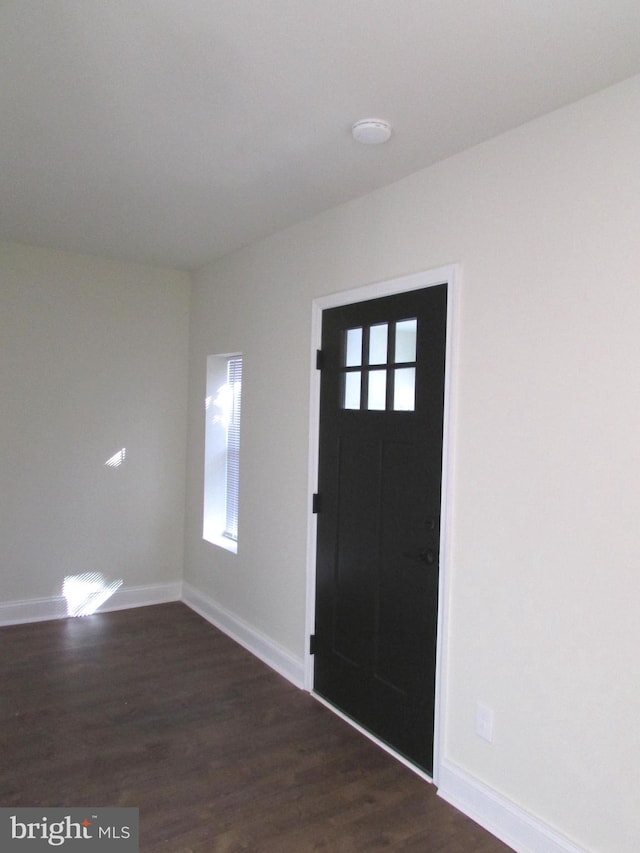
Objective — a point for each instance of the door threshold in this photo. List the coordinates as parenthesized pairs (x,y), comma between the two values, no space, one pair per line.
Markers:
(385,746)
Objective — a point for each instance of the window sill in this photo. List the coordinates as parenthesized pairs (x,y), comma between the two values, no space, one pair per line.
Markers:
(222,542)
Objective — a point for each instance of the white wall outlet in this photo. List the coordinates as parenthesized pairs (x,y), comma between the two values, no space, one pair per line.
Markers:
(484,722)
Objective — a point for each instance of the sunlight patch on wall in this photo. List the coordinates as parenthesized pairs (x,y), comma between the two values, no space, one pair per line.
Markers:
(223,402)
(117,459)
(85,593)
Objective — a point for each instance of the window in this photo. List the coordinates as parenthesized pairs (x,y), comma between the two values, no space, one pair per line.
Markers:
(222,450)
(379,367)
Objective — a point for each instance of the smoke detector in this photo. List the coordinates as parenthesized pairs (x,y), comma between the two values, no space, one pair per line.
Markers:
(371,131)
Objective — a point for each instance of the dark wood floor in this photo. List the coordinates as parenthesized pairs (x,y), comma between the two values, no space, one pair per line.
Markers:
(157,709)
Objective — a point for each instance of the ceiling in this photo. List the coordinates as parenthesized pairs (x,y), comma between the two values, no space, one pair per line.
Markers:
(175,131)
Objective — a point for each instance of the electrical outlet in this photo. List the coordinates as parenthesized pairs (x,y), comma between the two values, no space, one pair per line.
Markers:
(484,722)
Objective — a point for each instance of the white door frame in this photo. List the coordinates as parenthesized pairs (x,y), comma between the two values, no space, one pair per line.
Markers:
(451,274)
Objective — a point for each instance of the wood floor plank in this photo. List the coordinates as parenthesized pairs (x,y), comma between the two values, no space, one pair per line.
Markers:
(155,708)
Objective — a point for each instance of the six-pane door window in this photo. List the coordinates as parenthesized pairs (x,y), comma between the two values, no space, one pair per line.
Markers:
(379,367)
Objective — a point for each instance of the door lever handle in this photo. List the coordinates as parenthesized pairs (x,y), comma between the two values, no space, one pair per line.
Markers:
(425,555)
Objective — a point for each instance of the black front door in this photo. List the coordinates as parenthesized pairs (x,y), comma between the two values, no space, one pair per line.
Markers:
(379,487)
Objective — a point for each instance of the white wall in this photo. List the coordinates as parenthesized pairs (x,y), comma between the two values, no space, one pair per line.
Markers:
(93,359)
(544,623)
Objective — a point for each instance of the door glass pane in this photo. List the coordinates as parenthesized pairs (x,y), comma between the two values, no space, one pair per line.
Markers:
(406,331)
(404,389)
(354,348)
(352,390)
(378,344)
(377,398)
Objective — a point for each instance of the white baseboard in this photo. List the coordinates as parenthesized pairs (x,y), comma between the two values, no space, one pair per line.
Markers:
(258,644)
(143,596)
(502,818)
(43,609)
(33,610)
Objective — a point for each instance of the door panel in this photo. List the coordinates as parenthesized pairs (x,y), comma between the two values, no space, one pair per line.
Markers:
(379,479)
(356,547)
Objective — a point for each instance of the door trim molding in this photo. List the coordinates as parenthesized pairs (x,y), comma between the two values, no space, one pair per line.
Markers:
(451,275)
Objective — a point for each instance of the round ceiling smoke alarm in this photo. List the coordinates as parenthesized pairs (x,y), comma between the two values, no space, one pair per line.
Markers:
(371,131)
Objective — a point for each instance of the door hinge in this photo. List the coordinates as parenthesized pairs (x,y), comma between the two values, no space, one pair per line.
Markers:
(315,503)
(319,360)
(312,644)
